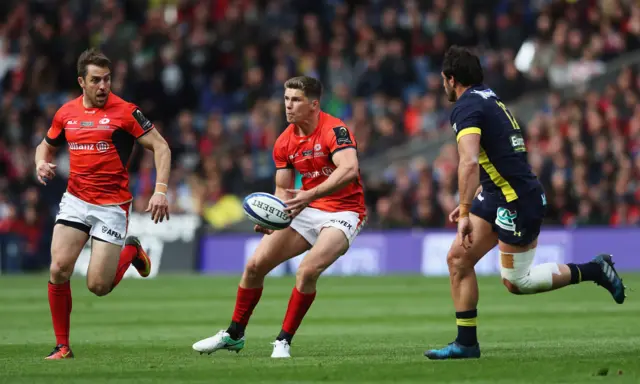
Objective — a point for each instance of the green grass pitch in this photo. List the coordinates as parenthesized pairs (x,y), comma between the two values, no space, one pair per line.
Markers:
(358,330)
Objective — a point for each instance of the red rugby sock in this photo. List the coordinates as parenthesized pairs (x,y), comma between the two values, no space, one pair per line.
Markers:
(246,301)
(60,305)
(128,253)
(299,304)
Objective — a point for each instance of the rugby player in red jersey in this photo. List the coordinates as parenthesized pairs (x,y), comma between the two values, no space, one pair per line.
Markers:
(100,130)
(327,213)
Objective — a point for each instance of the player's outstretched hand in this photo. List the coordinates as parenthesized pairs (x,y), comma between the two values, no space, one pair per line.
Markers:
(159,207)
(46,171)
(454,215)
(298,202)
(261,229)
(464,230)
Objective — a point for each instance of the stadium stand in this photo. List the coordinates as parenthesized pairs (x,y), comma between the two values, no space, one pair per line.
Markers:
(210,75)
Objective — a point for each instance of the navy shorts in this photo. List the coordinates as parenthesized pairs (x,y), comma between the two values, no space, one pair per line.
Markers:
(517,222)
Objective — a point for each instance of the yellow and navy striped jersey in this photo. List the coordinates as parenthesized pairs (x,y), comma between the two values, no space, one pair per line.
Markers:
(504,167)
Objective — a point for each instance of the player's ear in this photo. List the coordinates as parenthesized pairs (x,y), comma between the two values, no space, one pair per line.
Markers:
(81,81)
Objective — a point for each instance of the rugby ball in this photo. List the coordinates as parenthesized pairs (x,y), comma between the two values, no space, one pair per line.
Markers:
(266,210)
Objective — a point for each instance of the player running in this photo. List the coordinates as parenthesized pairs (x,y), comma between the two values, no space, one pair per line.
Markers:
(507,209)
(328,213)
(100,129)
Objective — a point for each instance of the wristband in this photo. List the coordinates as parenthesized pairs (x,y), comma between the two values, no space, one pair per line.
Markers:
(464,209)
(161,187)
(160,193)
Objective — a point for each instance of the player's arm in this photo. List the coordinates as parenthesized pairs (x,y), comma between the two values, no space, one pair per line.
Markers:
(145,133)
(285,178)
(154,142)
(468,171)
(46,150)
(285,172)
(468,120)
(346,172)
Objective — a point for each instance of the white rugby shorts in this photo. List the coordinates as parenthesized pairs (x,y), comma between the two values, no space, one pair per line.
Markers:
(311,221)
(108,223)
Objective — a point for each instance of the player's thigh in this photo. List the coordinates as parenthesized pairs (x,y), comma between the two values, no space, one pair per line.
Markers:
(68,240)
(519,225)
(484,240)
(108,231)
(337,231)
(482,216)
(70,234)
(103,265)
(274,249)
(330,245)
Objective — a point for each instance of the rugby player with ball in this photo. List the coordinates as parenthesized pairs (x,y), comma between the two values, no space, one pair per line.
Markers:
(324,216)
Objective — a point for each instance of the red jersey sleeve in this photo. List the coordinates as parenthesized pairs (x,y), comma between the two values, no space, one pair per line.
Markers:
(339,138)
(135,122)
(280,156)
(55,135)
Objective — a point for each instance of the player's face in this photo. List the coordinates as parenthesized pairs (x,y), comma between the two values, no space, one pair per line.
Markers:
(297,106)
(449,88)
(96,85)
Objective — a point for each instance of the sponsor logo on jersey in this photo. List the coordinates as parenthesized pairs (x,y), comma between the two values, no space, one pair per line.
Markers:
(72,122)
(104,121)
(327,171)
(101,146)
(86,123)
(342,136)
(517,142)
(308,152)
(142,120)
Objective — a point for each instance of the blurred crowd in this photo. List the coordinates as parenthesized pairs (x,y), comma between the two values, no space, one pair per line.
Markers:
(209,73)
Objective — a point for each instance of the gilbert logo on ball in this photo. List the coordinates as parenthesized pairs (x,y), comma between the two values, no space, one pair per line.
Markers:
(266,210)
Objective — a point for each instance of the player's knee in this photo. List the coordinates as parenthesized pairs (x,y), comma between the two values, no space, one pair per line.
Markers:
(457,263)
(254,271)
(99,288)
(534,280)
(307,275)
(511,287)
(60,272)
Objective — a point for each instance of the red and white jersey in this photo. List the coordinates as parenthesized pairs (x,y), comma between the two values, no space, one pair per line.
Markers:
(100,142)
(311,157)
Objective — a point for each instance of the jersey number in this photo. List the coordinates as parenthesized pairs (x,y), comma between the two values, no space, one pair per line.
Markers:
(513,121)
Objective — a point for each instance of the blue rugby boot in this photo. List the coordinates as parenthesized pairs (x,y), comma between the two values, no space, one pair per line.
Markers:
(454,351)
(610,280)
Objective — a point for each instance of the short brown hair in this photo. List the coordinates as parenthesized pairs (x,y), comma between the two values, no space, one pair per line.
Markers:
(92,56)
(311,87)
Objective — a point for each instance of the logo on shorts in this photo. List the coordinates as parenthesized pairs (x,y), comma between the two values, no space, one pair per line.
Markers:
(327,171)
(544,199)
(111,233)
(344,223)
(505,219)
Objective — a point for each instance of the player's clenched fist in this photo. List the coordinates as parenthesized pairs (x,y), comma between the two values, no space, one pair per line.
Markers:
(46,171)
(159,207)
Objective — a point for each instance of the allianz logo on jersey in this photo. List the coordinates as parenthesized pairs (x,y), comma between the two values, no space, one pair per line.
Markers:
(100,146)
(326,171)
